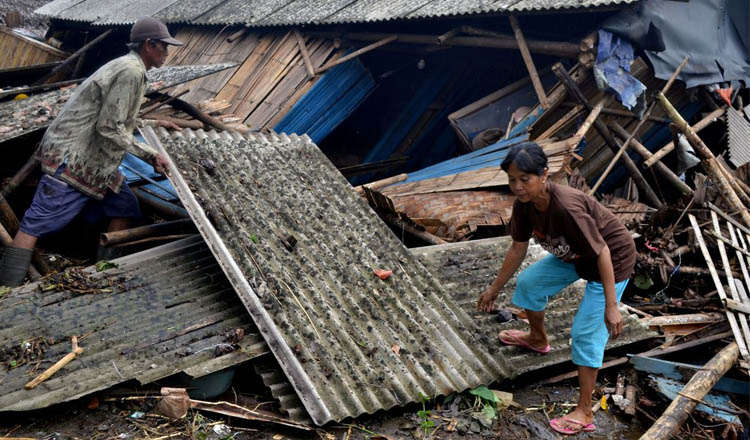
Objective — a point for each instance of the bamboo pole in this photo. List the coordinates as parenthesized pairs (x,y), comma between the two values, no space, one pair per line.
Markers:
(193,111)
(305,54)
(184,123)
(107,239)
(698,386)
(629,138)
(356,53)
(22,174)
(382,183)
(611,142)
(662,169)
(710,163)
(700,125)
(526,55)
(55,368)
(156,105)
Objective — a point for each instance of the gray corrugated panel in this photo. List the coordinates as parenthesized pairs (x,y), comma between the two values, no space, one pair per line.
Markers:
(293,12)
(168,310)
(349,342)
(738,131)
(330,322)
(38,111)
(464,270)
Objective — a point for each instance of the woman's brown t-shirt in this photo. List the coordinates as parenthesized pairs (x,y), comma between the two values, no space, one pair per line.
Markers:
(574,228)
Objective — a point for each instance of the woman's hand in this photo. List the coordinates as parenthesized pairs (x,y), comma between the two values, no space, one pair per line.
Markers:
(486,301)
(613,321)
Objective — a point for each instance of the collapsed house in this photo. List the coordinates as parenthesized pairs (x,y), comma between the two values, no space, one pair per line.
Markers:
(414,121)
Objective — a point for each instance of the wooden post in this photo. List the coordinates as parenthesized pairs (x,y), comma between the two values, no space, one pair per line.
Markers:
(629,138)
(73,57)
(611,142)
(156,105)
(662,169)
(700,125)
(698,386)
(538,88)
(305,54)
(710,163)
(357,53)
(22,174)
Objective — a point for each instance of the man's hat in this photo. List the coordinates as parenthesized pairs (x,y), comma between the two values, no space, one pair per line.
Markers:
(147,28)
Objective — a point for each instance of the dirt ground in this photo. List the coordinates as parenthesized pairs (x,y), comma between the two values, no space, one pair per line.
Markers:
(109,415)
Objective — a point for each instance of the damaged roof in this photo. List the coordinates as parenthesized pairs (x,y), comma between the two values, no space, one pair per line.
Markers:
(19,117)
(300,247)
(257,13)
(161,311)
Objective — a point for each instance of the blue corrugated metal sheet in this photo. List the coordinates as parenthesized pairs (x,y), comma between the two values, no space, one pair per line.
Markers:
(491,155)
(334,97)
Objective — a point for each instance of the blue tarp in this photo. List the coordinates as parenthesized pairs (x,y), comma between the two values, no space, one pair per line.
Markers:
(613,60)
(135,163)
(329,101)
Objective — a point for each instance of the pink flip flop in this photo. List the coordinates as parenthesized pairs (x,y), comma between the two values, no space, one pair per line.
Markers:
(512,337)
(582,427)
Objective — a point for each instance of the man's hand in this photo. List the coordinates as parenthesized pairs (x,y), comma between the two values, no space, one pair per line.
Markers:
(161,164)
(613,321)
(169,125)
(486,301)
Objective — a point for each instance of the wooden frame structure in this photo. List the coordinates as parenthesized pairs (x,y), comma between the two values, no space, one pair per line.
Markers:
(737,305)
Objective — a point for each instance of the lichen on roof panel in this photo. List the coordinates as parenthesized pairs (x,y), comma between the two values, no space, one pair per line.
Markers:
(349,342)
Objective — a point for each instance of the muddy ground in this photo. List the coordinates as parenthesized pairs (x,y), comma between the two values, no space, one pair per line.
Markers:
(31,21)
(110,415)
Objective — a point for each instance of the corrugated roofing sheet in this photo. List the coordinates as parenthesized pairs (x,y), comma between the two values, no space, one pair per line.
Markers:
(168,309)
(294,12)
(464,270)
(349,342)
(38,111)
(738,130)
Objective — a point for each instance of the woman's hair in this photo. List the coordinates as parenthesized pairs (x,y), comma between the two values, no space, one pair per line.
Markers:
(528,157)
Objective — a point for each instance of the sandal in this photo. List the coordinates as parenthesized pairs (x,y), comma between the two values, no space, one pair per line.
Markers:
(582,427)
(513,337)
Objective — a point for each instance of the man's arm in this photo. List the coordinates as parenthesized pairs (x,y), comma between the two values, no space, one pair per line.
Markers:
(513,259)
(612,316)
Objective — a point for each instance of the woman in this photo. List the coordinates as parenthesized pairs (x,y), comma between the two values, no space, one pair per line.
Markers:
(586,241)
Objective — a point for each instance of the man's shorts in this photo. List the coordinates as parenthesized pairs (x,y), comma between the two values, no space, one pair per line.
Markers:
(56,204)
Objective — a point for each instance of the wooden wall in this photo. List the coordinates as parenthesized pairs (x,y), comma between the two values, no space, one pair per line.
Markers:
(21,51)
(271,76)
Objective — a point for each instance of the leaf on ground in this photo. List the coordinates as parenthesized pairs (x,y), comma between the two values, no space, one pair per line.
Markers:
(485,393)
(104,265)
(4,291)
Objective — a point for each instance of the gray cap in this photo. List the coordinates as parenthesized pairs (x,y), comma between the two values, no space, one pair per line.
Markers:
(147,28)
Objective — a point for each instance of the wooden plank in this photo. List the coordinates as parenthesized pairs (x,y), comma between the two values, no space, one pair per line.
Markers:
(730,279)
(737,306)
(529,62)
(305,53)
(719,285)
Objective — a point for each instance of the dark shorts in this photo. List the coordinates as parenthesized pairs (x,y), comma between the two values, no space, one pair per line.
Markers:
(56,204)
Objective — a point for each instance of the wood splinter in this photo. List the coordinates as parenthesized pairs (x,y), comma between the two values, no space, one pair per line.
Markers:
(54,369)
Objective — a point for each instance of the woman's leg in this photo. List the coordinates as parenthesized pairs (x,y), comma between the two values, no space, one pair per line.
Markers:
(534,286)
(589,334)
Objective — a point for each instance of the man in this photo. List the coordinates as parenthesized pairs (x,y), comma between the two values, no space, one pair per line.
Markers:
(82,149)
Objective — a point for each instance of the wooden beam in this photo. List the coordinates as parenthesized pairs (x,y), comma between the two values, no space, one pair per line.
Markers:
(700,125)
(159,104)
(356,53)
(709,162)
(305,53)
(554,48)
(611,142)
(529,62)
(73,57)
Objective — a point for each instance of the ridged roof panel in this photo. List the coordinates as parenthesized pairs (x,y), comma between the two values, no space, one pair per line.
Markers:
(297,12)
(300,247)
(162,311)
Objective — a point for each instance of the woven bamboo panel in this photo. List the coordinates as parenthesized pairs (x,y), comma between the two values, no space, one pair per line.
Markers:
(21,51)
(459,212)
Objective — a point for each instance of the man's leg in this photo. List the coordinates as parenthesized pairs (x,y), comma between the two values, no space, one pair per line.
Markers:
(55,204)
(534,285)
(120,208)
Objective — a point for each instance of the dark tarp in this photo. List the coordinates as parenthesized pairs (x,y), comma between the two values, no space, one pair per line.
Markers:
(714,33)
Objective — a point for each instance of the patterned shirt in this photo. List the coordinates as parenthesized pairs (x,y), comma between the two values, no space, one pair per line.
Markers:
(94,130)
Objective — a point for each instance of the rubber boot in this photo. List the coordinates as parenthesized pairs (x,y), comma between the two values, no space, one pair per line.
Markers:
(14,265)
